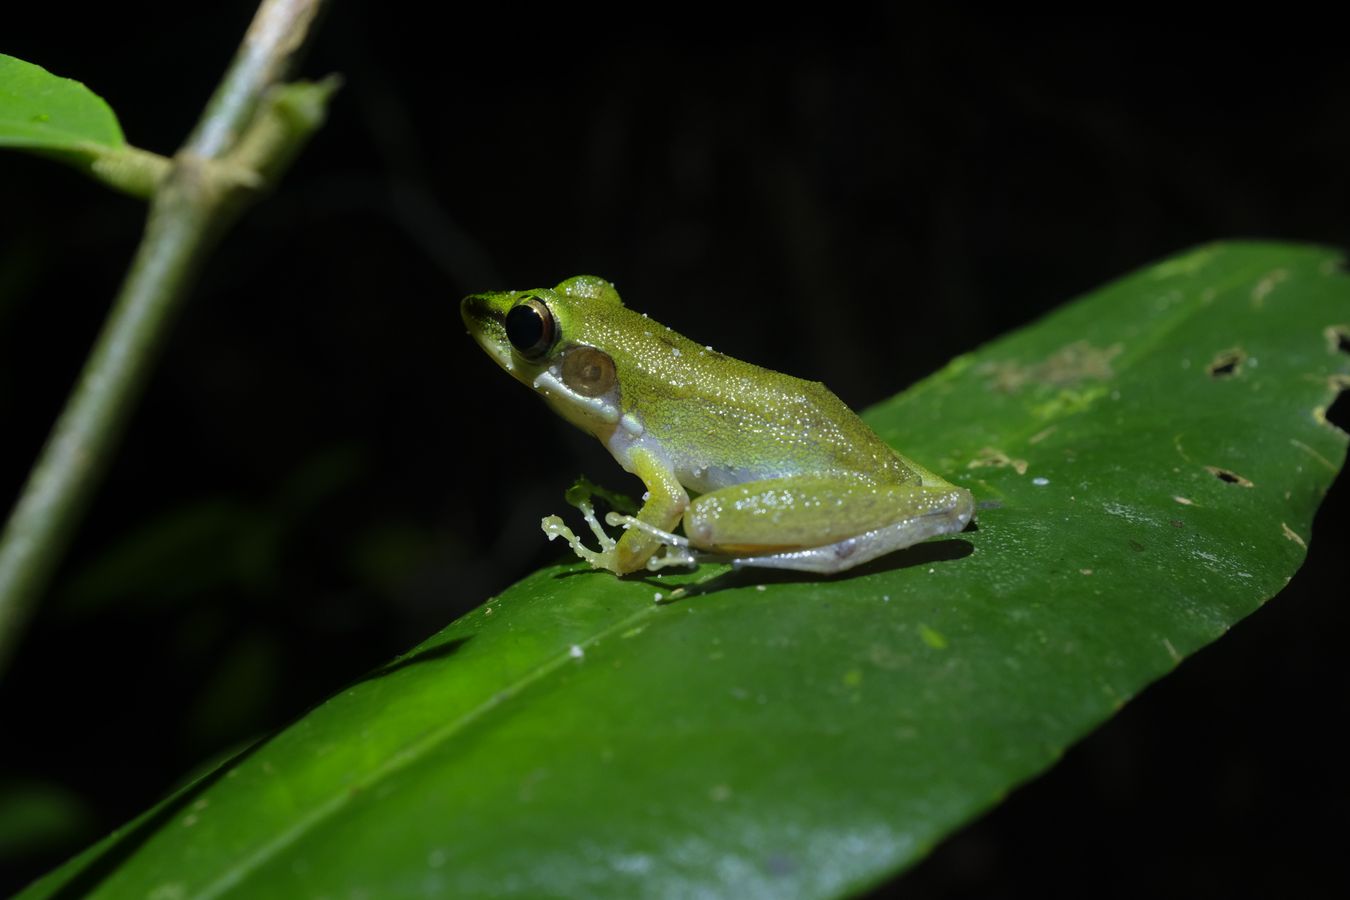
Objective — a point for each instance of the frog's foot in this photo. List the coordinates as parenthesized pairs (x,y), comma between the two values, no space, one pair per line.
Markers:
(604,558)
(673,556)
(677,552)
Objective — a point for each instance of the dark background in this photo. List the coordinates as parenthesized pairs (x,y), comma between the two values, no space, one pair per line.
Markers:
(325,470)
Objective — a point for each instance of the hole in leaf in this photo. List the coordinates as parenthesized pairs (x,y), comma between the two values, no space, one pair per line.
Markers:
(1338,338)
(1338,413)
(1226,476)
(1227,363)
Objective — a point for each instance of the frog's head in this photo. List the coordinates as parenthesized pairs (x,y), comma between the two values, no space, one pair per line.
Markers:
(554,339)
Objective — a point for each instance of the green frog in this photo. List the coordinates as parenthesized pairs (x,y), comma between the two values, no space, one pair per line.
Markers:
(761,468)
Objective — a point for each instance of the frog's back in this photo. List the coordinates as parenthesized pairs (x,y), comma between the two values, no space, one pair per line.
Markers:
(730,421)
(723,421)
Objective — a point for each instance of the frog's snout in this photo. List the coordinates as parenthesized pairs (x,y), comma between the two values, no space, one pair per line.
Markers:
(485,318)
(474,309)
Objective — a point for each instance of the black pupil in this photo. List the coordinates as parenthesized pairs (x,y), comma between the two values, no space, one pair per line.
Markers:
(524,328)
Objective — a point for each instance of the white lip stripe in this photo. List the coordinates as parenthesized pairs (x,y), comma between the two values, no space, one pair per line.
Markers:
(602,407)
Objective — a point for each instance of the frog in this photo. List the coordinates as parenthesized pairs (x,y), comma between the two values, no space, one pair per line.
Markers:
(758,467)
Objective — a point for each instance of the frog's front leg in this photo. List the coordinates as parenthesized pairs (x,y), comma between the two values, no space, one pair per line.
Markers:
(821,524)
(644,533)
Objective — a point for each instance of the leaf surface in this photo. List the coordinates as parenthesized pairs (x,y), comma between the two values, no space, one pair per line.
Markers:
(42,111)
(1148,458)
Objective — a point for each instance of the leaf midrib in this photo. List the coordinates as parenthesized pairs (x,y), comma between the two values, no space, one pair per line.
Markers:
(409,755)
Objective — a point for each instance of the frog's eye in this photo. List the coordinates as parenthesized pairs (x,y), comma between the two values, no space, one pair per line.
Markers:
(530,328)
(588,371)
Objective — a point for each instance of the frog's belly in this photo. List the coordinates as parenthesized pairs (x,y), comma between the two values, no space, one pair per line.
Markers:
(700,476)
(707,478)
(702,473)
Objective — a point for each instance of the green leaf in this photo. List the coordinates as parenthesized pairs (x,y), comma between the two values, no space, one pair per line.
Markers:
(58,117)
(42,111)
(1149,460)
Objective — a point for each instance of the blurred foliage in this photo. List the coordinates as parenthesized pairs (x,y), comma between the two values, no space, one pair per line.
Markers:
(38,817)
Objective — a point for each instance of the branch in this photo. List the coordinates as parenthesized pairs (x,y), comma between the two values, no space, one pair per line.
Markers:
(251,128)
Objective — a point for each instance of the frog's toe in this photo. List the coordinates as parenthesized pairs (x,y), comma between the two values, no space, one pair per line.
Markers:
(553,527)
(673,556)
(668,539)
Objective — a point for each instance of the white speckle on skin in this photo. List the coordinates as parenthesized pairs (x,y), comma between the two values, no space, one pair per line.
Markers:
(675,350)
(657,597)
(1039,481)
(576,652)
(760,587)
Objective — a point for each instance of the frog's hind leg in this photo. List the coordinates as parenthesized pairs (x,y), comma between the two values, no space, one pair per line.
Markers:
(822,525)
(855,551)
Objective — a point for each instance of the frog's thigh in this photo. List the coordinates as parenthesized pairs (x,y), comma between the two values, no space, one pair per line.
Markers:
(821,525)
